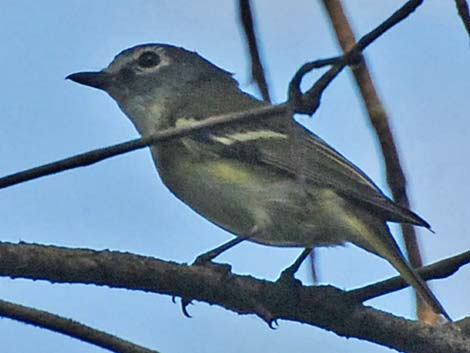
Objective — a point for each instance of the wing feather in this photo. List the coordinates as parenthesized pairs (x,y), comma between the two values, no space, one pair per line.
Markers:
(288,147)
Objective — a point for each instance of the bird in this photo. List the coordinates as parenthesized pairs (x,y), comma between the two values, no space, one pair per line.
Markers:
(272,181)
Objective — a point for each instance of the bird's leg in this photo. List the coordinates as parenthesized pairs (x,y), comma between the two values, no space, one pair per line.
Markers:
(212,254)
(207,257)
(313,267)
(287,275)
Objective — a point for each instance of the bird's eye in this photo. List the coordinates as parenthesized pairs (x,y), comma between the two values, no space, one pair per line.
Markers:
(148,59)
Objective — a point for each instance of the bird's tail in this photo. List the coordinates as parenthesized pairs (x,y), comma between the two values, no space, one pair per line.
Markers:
(415,280)
(387,247)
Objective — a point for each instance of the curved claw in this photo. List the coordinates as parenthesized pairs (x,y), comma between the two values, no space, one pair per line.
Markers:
(184,305)
(266,315)
(273,324)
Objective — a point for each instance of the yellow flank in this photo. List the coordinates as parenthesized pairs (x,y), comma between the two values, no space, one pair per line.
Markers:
(372,239)
(356,224)
(229,173)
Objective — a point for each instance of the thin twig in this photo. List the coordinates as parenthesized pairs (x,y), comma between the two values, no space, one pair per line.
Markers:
(309,100)
(257,70)
(69,327)
(462,9)
(437,270)
(380,121)
(100,154)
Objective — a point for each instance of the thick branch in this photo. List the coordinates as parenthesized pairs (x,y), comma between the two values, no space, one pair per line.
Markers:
(325,307)
(69,327)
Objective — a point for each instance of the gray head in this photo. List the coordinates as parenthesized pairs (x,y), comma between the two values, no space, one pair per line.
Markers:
(149,66)
(155,75)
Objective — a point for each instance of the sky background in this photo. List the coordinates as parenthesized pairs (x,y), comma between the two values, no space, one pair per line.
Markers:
(421,71)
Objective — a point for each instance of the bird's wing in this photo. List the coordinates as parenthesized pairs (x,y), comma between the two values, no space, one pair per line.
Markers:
(290,148)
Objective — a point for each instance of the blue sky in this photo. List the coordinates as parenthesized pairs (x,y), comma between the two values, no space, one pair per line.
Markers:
(420,68)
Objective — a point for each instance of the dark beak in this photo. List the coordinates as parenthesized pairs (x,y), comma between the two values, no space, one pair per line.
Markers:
(97,79)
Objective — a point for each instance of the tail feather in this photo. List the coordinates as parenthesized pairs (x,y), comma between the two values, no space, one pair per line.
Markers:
(386,247)
(375,236)
(414,279)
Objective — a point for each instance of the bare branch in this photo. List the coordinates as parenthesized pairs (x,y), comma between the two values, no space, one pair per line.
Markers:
(100,154)
(257,70)
(69,327)
(379,119)
(310,101)
(441,269)
(326,307)
(462,9)
(307,103)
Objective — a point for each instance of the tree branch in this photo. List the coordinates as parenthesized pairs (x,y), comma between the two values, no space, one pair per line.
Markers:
(69,327)
(101,154)
(257,70)
(380,121)
(307,103)
(462,9)
(326,307)
(441,269)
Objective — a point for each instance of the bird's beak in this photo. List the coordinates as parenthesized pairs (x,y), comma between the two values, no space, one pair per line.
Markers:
(96,79)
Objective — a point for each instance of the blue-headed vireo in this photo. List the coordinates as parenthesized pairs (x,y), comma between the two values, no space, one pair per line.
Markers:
(244,177)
